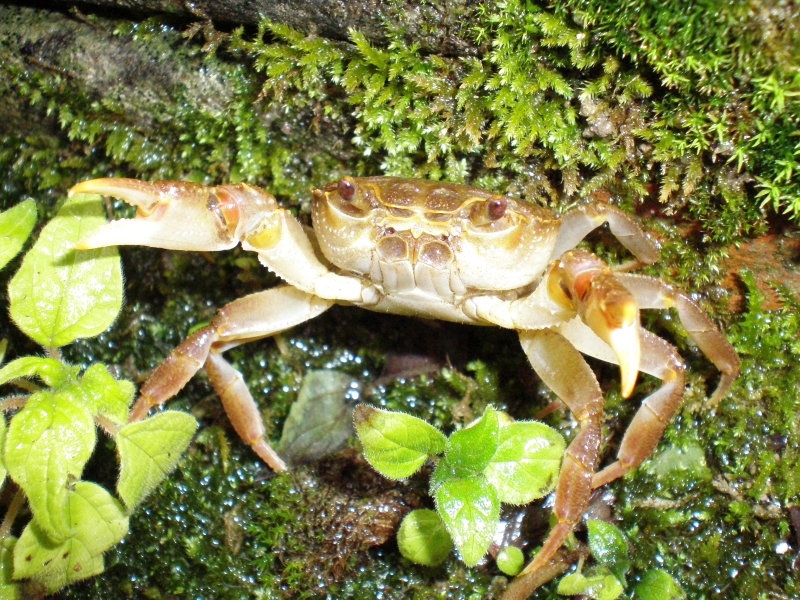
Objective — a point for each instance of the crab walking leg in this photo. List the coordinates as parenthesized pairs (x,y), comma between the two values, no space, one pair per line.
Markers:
(578,223)
(659,359)
(563,370)
(241,409)
(653,293)
(253,317)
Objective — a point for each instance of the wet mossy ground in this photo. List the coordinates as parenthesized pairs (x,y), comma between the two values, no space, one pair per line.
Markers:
(690,123)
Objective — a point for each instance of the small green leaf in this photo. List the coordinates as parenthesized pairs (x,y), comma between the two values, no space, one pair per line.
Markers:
(48,443)
(149,450)
(657,584)
(470,511)
(510,560)
(51,371)
(16,225)
(59,294)
(525,465)
(601,585)
(9,589)
(423,539)
(108,397)
(609,547)
(320,420)
(446,471)
(396,444)
(472,448)
(96,520)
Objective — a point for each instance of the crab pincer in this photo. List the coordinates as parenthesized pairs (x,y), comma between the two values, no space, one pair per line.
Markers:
(176,215)
(582,282)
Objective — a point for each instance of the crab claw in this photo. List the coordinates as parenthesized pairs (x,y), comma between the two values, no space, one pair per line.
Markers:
(174,215)
(582,282)
(611,311)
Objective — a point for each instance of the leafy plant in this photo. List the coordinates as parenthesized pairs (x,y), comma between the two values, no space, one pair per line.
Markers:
(16,225)
(56,297)
(607,579)
(492,461)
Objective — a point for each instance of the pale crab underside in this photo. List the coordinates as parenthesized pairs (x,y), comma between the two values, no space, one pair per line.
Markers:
(432,250)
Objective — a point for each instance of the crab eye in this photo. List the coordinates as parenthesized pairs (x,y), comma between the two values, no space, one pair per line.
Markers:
(346,189)
(496,208)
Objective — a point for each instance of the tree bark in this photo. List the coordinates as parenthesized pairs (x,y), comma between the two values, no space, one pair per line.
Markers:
(431,26)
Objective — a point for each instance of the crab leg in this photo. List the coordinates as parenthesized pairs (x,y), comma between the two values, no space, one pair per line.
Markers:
(659,359)
(653,293)
(244,320)
(657,410)
(563,370)
(578,223)
(179,215)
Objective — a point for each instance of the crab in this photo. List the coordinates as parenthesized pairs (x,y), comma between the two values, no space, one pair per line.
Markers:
(439,251)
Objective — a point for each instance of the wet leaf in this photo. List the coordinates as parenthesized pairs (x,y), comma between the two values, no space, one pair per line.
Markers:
(470,511)
(510,560)
(609,547)
(320,420)
(96,520)
(149,450)
(59,294)
(472,448)
(51,371)
(657,584)
(525,465)
(9,589)
(16,225)
(396,444)
(47,445)
(423,539)
(108,397)
(601,585)
(446,471)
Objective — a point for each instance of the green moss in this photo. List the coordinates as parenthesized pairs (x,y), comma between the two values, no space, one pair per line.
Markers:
(731,91)
(769,344)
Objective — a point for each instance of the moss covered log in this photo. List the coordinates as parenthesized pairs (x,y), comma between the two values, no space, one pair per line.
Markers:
(687,115)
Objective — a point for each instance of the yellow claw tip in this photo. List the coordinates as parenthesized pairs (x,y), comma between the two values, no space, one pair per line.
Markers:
(626,387)
(81,188)
(626,345)
(84,245)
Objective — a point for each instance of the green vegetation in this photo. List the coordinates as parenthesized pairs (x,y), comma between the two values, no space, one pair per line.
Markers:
(489,462)
(607,579)
(56,297)
(686,113)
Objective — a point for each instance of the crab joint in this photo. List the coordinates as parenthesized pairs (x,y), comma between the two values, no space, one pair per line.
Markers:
(269,232)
